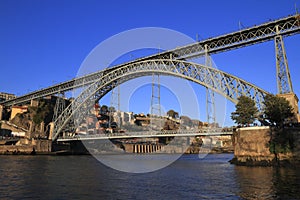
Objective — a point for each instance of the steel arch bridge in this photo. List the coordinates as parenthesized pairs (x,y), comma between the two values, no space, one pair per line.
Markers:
(272,30)
(221,82)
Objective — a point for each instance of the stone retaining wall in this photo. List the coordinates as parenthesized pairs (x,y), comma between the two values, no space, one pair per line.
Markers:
(25,146)
(252,147)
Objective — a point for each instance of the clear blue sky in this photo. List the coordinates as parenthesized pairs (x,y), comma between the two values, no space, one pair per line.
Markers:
(43,42)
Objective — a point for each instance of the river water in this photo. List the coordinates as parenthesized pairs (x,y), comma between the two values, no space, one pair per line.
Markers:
(83,177)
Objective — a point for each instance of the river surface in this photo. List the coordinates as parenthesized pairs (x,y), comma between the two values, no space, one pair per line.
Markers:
(83,177)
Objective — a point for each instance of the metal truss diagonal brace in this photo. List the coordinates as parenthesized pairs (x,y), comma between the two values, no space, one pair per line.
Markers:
(59,105)
(284,83)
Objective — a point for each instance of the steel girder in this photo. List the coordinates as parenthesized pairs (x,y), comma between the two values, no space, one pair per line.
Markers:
(253,35)
(56,89)
(223,83)
(249,36)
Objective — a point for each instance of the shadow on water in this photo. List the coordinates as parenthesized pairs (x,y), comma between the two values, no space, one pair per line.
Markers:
(268,182)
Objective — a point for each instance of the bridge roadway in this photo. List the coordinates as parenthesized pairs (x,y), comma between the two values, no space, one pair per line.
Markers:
(249,36)
(146,134)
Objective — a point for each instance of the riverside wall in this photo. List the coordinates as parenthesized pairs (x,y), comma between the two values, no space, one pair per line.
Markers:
(25,146)
(214,144)
(252,147)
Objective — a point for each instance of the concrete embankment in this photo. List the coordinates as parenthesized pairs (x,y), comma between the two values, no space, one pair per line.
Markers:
(26,147)
(260,146)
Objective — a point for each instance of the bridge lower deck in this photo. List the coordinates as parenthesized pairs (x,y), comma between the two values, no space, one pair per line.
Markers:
(145,135)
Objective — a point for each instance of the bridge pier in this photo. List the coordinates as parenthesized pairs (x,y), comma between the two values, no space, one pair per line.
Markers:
(51,124)
(142,148)
(293,99)
(1,112)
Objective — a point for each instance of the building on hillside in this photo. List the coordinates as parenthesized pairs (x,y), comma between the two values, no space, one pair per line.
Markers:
(6,96)
(17,109)
(125,117)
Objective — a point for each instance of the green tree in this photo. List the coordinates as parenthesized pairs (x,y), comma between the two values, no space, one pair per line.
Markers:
(173,114)
(245,112)
(277,110)
(43,113)
(104,109)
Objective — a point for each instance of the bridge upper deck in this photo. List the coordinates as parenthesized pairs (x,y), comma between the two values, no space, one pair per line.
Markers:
(249,36)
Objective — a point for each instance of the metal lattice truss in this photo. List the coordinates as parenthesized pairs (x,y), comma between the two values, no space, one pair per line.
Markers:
(257,34)
(223,83)
(249,36)
(56,89)
(284,83)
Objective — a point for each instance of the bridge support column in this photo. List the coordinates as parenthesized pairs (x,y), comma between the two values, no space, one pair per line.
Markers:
(34,103)
(51,130)
(1,112)
(144,148)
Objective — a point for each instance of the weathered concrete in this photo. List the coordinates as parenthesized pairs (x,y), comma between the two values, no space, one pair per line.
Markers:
(252,147)
(12,127)
(42,145)
(25,146)
(14,149)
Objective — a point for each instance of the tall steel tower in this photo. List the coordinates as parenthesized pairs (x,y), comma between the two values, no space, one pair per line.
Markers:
(210,95)
(155,116)
(284,83)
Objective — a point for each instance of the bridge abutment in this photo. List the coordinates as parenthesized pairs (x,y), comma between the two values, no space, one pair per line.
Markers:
(293,99)
(265,146)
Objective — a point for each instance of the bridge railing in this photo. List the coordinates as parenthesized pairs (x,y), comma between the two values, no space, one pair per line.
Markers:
(218,131)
